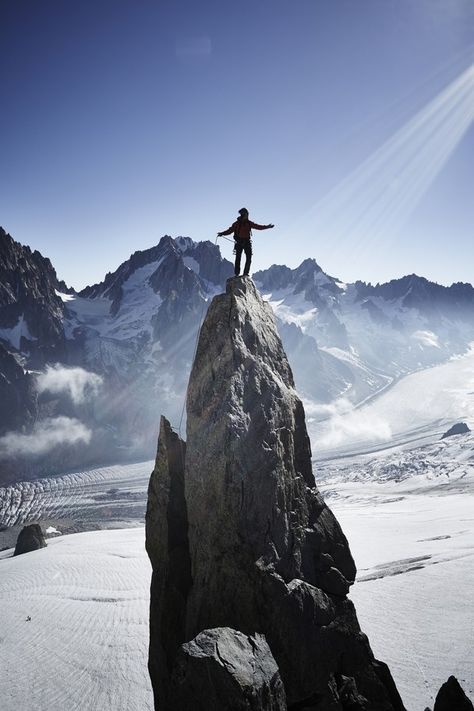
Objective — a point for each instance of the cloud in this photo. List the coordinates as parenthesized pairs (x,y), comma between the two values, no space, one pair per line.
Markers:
(348,424)
(427,338)
(78,383)
(46,435)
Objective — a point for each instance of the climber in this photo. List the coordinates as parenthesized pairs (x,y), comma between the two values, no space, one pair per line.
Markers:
(242,229)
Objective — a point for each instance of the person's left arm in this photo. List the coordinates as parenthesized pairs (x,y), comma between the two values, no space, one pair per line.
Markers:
(255,226)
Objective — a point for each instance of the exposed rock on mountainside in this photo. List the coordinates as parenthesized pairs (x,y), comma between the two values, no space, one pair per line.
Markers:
(17,393)
(30,311)
(267,555)
(458,428)
(30,538)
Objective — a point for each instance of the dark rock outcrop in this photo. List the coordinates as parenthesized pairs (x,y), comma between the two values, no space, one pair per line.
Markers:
(17,393)
(267,555)
(458,428)
(28,301)
(224,669)
(30,538)
(451,697)
(167,547)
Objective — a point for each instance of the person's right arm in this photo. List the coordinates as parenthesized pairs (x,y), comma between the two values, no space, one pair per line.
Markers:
(228,231)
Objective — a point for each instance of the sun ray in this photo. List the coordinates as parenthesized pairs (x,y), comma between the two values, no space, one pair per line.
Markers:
(374,201)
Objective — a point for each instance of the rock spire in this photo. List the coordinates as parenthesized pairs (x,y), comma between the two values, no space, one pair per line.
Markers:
(258,552)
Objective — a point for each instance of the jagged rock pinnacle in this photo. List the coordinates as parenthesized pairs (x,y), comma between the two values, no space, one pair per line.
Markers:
(267,555)
(249,482)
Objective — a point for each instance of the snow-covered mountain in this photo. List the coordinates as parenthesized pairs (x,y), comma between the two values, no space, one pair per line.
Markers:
(366,336)
(84,376)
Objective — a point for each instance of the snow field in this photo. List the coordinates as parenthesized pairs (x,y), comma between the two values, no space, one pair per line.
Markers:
(413,594)
(86,644)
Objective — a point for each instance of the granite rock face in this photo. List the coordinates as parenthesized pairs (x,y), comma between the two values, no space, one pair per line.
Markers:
(225,669)
(30,538)
(266,554)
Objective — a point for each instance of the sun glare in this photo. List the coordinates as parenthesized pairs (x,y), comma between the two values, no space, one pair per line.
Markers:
(376,199)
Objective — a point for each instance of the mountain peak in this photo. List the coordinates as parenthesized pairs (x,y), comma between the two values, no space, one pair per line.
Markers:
(309,264)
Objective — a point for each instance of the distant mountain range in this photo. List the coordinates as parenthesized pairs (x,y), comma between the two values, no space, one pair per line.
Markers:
(84,376)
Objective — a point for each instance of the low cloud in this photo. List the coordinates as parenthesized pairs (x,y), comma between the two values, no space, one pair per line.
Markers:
(427,338)
(78,383)
(348,424)
(45,436)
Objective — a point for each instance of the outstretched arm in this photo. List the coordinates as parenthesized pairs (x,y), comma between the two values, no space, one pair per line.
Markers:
(255,226)
(227,232)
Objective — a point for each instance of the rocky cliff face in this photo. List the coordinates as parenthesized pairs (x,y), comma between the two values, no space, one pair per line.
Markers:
(31,313)
(266,555)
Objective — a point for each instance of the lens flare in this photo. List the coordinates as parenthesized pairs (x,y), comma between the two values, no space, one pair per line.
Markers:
(376,199)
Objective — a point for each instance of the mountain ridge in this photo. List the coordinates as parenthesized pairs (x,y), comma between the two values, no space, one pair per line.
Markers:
(136,329)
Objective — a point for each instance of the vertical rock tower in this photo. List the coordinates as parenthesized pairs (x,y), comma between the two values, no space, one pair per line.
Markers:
(245,553)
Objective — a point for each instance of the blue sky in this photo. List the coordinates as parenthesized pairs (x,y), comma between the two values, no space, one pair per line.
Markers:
(123,120)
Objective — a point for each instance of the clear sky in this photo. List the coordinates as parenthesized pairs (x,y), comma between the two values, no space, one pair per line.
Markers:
(123,120)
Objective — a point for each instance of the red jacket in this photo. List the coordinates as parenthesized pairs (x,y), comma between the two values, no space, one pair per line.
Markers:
(241,229)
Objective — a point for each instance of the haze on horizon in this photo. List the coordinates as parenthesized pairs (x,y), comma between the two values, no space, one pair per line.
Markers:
(348,125)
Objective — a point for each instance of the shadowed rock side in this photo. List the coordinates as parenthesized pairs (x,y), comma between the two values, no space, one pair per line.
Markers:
(30,538)
(267,555)
(451,697)
(167,547)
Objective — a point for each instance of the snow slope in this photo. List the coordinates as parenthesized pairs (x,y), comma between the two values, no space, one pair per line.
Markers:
(412,410)
(138,304)
(86,644)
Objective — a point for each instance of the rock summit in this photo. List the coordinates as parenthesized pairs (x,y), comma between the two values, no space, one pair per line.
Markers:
(245,553)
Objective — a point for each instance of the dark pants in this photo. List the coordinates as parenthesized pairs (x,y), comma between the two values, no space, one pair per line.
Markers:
(246,246)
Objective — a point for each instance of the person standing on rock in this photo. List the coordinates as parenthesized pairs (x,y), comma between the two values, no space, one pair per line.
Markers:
(242,230)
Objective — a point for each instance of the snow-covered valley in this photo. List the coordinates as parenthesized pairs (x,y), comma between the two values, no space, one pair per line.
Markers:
(87,594)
